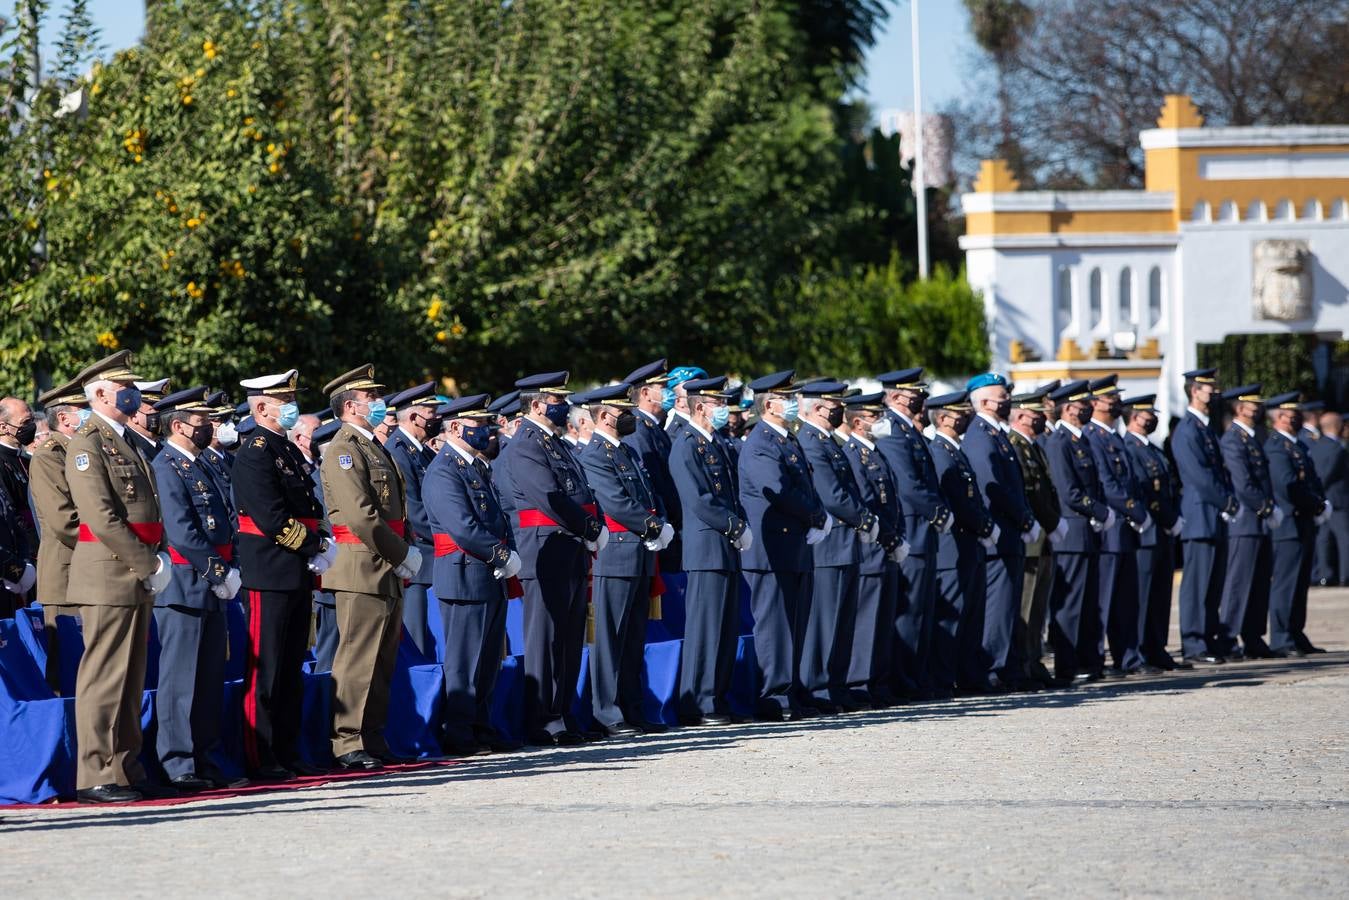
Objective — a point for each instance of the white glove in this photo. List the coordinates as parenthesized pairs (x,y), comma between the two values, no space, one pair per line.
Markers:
(599,543)
(873,533)
(162,576)
(992,540)
(947,525)
(1175,529)
(1144,525)
(1033,535)
(1328,510)
(1109,519)
(814,536)
(828,523)
(229,588)
(411,564)
(1324,516)
(1059,533)
(25,580)
(666,537)
(901,553)
(508,569)
(1230,519)
(324,559)
(745,541)
(1275,517)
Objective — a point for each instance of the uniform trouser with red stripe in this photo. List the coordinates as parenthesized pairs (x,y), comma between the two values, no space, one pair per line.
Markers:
(278,634)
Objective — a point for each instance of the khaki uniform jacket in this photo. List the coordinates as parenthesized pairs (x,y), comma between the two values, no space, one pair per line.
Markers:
(1041,494)
(58,522)
(112,486)
(364,492)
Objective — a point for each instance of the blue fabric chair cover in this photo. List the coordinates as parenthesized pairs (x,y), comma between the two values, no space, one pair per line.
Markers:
(416,697)
(37,730)
(236,630)
(661,703)
(515,627)
(435,624)
(508,698)
(744,678)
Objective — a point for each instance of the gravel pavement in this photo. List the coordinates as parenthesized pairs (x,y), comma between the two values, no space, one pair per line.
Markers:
(1231,780)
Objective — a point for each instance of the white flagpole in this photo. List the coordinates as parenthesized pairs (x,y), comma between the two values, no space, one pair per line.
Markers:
(919,175)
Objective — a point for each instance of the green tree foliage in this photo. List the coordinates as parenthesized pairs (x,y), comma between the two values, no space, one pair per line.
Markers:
(460,188)
(1280,362)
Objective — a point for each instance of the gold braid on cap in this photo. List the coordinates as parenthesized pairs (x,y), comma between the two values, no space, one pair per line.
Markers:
(293,535)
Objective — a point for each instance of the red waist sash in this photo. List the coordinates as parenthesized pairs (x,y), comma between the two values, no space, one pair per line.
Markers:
(535,518)
(224,551)
(344,535)
(147,532)
(248,526)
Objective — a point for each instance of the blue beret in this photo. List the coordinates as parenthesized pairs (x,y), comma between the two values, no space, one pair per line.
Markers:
(988,379)
(685,373)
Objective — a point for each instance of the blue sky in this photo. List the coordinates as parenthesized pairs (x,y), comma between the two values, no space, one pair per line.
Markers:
(947,46)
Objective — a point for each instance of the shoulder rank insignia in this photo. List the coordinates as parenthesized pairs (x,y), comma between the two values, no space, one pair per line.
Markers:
(344,461)
(259,442)
(82,462)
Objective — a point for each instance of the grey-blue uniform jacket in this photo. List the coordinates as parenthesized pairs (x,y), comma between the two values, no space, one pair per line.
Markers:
(1081,498)
(840,495)
(1206,490)
(1297,490)
(997,473)
(1157,484)
(925,510)
(712,514)
(652,446)
(197,528)
(961,490)
(412,462)
(1249,470)
(469,529)
(546,480)
(877,484)
(779,500)
(1117,483)
(632,512)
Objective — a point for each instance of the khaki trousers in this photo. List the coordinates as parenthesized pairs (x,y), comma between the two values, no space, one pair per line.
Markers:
(370,627)
(108,694)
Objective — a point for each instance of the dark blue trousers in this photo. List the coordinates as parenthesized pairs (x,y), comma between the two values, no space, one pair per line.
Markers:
(474,635)
(414,620)
(1288,591)
(189,699)
(325,631)
(1156,572)
(1332,549)
(873,635)
(1201,588)
(826,649)
(555,631)
(1116,622)
(956,639)
(1245,600)
(914,617)
(1004,579)
(711,620)
(621,609)
(1072,608)
(781,605)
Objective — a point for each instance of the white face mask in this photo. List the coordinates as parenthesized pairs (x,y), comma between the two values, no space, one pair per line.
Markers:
(881,429)
(227,435)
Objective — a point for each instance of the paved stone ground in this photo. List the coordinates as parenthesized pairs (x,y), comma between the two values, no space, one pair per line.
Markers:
(1230,780)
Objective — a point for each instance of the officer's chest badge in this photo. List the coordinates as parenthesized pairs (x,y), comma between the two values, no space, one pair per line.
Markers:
(210,523)
(82,462)
(344,461)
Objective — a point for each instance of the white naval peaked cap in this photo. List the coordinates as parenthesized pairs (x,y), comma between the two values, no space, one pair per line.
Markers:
(283,383)
(152,387)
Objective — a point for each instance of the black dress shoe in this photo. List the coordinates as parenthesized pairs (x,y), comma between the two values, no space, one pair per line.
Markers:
(652,727)
(190,784)
(1296,652)
(800,713)
(881,699)
(1235,654)
(717,719)
(109,793)
(359,761)
(273,773)
(621,729)
(462,748)
(1312,648)
(389,758)
(764,714)
(156,791)
(219,781)
(1211,659)
(1027,686)
(541,739)
(1182,665)
(823,707)
(304,769)
(575,738)
(1146,669)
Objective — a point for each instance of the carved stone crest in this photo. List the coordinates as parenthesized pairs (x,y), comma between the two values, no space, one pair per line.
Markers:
(1281,285)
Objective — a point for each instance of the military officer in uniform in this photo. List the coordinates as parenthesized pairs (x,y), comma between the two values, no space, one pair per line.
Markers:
(785,513)
(1083,507)
(652,445)
(1156,559)
(505,412)
(144,425)
(826,654)
(624,570)
(417,423)
(17,430)
(1244,608)
(926,515)
(1332,468)
(224,437)
(281,548)
(475,558)
(1298,493)
(115,570)
(580,427)
(869,672)
(1208,505)
(367,509)
(1028,425)
(59,525)
(556,522)
(190,611)
(674,398)
(957,656)
(998,476)
(715,535)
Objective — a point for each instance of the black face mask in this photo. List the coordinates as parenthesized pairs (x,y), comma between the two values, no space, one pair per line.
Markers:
(1004,409)
(152,422)
(1150,427)
(835,417)
(1081,415)
(1296,424)
(1039,426)
(963,424)
(25,433)
(626,424)
(1116,409)
(493,446)
(201,436)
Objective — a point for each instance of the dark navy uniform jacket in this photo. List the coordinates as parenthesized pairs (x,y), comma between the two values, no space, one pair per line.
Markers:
(1117,481)
(653,445)
(273,489)
(1157,485)
(545,478)
(1297,490)
(675,425)
(14,552)
(779,500)
(1332,467)
(197,527)
(712,514)
(961,490)
(998,475)
(222,464)
(877,485)
(1249,470)
(925,510)
(631,510)
(412,462)
(842,498)
(462,506)
(1081,497)
(1206,490)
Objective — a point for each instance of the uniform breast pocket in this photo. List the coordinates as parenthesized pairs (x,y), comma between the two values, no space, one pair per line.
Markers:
(480,501)
(124,479)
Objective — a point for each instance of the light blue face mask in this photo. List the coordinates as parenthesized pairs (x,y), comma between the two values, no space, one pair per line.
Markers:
(378,410)
(667,399)
(790,410)
(287,416)
(84,415)
(720,416)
